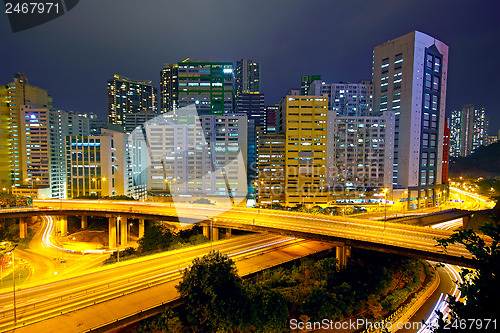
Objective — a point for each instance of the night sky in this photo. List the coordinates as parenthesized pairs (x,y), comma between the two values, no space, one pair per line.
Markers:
(73,56)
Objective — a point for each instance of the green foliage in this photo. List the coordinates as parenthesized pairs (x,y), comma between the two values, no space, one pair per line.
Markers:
(269,309)
(480,287)
(217,300)
(321,304)
(485,186)
(9,200)
(214,296)
(166,322)
(330,210)
(320,290)
(98,197)
(125,254)
(483,162)
(203,201)
(157,238)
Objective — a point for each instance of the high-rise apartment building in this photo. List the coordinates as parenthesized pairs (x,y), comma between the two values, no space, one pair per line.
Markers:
(44,138)
(247,77)
(21,93)
(409,78)
(271,164)
(5,174)
(360,155)
(469,130)
(35,141)
(207,85)
(192,156)
(127,96)
(346,99)
(304,120)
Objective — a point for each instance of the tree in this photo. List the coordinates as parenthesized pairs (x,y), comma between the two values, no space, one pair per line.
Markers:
(269,309)
(481,286)
(156,238)
(167,322)
(214,295)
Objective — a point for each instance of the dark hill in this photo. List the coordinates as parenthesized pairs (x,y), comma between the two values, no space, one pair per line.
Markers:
(484,162)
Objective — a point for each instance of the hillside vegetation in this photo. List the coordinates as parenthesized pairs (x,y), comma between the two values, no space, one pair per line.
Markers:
(484,162)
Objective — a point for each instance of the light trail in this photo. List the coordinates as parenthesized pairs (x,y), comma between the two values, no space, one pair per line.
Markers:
(472,195)
(448,225)
(47,240)
(442,304)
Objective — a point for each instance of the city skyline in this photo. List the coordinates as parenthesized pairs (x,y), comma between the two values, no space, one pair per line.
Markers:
(285,51)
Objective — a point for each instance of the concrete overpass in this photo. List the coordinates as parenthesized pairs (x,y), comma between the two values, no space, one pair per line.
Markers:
(415,241)
(438,217)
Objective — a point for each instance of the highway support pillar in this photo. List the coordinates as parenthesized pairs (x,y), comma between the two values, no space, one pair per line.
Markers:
(206,231)
(123,231)
(342,254)
(84,221)
(215,236)
(112,232)
(63,225)
(23,227)
(228,232)
(465,220)
(141,228)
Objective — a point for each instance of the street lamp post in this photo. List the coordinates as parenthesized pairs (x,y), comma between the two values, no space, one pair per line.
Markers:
(385,205)
(405,202)
(211,235)
(14,283)
(128,231)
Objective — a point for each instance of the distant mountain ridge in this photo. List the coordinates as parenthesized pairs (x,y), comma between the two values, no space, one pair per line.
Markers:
(484,162)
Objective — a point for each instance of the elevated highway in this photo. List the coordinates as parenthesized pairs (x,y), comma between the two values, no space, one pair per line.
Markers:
(430,219)
(416,241)
(102,298)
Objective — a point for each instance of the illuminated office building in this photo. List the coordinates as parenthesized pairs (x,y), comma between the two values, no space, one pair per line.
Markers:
(207,85)
(60,125)
(102,166)
(409,78)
